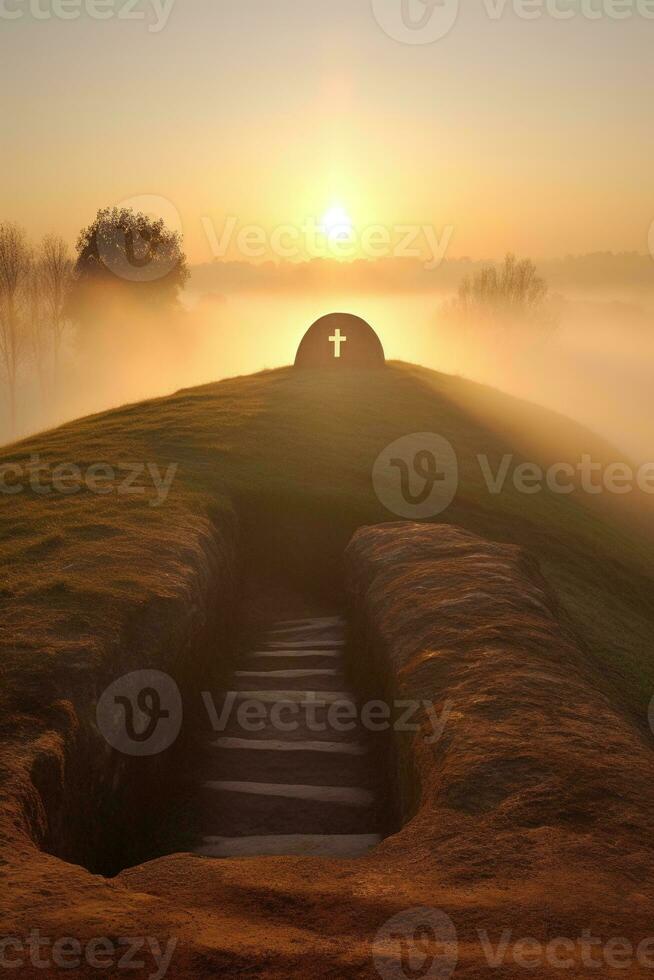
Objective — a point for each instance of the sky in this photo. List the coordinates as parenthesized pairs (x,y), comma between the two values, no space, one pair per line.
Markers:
(530,135)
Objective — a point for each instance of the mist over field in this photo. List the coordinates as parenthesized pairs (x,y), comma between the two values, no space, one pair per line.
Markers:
(239,318)
(327,488)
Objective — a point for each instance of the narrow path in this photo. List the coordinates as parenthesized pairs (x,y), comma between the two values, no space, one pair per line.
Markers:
(291,781)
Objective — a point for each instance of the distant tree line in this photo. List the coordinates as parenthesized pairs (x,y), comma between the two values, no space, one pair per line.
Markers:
(125,262)
(130,265)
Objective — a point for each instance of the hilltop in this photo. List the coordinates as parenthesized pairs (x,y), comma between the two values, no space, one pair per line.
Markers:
(249,491)
(287,457)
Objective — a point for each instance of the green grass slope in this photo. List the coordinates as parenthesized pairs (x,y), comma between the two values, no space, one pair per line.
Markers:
(288,455)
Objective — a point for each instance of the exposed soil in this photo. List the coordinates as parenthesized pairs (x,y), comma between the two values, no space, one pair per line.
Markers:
(533,812)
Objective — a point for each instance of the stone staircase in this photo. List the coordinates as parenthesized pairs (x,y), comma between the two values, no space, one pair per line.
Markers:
(291,780)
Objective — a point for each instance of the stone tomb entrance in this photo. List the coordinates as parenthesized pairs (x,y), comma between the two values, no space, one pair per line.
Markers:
(340,340)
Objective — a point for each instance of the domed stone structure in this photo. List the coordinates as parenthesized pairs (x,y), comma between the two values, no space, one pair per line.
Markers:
(340,340)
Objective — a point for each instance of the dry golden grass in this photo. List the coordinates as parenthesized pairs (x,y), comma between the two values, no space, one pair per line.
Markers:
(274,477)
(291,455)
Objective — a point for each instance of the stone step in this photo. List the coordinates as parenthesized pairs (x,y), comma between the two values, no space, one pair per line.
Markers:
(294,724)
(308,621)
(290,845)
(285,768)
(296,672)
(340,795)
(335,654)
(312,644)
(304,783)
(289,714)
(322,681)
(233,813)
(294,661)
(291,696)
(317,637)
(310,626)
(277,745)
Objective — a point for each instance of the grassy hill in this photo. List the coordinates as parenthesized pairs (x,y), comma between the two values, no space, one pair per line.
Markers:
(286,457)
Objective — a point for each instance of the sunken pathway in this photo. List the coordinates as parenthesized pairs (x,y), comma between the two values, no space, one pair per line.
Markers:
(298,784)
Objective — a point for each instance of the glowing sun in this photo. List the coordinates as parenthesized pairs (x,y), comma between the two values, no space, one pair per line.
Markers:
(336,224)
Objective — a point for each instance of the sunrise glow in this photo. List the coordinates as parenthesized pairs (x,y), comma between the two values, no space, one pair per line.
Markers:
(336,224)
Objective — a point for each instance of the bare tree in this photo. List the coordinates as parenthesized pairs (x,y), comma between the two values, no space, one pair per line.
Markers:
(514,294)
(14,271)
(56,272)
(37,326)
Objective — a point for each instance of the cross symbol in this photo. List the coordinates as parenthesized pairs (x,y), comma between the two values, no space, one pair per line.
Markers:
(337,340)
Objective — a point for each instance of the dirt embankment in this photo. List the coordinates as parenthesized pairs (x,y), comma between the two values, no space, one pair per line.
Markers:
(530,798)
(532,758)
(536,790)
(63,788)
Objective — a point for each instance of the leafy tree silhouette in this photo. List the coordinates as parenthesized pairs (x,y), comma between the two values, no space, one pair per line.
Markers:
(130,257)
